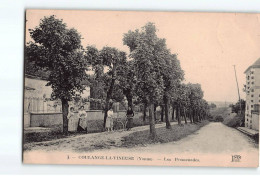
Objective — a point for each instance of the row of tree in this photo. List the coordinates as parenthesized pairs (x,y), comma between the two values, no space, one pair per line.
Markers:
(150,76)
(239,107)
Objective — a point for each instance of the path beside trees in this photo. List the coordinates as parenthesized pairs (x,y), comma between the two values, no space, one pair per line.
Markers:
(138,136)
(212,138)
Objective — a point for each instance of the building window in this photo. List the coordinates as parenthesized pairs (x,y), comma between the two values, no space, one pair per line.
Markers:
(252,106)
(250,121)
(252,82)
(252,90)
(252,95)
(256,107)
(252,77)
(252,100)
(248,77)
(250,126)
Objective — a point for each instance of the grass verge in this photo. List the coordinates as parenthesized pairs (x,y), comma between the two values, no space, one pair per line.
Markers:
(164,135)
(46,136)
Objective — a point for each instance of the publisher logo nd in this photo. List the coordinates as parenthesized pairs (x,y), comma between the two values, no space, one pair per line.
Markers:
(236,158)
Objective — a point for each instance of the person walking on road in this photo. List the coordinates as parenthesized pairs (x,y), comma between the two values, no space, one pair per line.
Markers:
(109,121)
(82,124)
(71,115)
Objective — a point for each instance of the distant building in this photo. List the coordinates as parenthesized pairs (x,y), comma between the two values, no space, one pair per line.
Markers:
(39,108)
(252,96)
(37,96)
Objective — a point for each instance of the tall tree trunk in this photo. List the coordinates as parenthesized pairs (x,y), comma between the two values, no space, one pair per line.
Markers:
(153,135)
(129,101)
(65,111)
(190,115)
(178,115)
(144,113)
(167,121)
(105,115)
(109,95)
(193,116)
(173,107)
(162,113)
(184,114)
(196,116)
(200,117)
(154,110)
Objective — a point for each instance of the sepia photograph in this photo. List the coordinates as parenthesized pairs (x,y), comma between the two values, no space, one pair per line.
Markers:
(141,88)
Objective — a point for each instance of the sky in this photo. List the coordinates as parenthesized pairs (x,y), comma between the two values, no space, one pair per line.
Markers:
(207,44)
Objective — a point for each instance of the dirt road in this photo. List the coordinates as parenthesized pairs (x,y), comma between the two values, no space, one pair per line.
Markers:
(212,145)
(212,138)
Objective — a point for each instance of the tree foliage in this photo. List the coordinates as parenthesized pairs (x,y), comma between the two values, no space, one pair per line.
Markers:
(236,107)
(58,50)
(111,59)
(147,52)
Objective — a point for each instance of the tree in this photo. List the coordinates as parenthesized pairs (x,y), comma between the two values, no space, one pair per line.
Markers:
(58,50)
(204,111)
(236,107)
(126,77)
(149,83)
(182,102)
(32,69)
(172,76)
(212,105)
(195,96)
(111,59)
(97,84)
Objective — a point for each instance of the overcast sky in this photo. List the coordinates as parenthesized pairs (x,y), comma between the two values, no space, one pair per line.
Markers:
(207,44)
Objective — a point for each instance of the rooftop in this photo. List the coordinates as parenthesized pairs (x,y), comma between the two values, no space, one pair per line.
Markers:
(254,65)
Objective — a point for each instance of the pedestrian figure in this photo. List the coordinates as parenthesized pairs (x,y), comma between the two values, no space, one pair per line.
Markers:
(129,116)
(82,124)
(70,118)
(109,121)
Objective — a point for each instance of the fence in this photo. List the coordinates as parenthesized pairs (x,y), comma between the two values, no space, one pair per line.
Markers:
(41,112)
(54,120)
(37,105)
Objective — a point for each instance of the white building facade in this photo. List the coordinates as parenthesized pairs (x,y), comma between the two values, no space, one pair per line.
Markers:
(252,96)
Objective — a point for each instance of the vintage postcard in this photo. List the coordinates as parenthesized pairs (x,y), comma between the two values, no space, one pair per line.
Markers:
(141,88)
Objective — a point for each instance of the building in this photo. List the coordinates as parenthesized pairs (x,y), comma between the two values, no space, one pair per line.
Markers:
(252,96)
(39,108)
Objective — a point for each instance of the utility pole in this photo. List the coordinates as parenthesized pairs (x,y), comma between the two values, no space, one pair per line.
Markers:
(238,90)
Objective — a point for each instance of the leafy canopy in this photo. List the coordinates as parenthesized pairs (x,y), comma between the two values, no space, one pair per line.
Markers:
(58,50)
(145,48)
